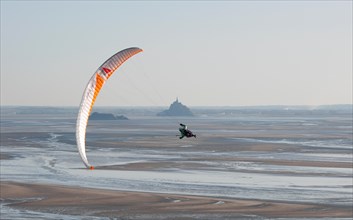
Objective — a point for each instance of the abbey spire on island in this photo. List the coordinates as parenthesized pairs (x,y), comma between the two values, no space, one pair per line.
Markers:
(176,109)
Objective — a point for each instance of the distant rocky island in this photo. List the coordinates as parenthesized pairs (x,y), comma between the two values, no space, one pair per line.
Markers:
(106,116)
(176,109)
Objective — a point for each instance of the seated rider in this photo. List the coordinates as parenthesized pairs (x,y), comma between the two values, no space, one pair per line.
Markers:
(184,132)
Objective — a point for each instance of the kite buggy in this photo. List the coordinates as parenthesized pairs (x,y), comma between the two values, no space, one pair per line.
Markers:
(185,132)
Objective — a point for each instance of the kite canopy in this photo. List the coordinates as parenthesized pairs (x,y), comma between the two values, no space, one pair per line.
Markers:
(91,92)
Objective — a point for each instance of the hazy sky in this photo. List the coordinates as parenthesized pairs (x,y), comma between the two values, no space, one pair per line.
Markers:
(230,53)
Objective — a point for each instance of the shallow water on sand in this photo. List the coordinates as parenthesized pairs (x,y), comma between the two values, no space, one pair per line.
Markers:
(8,213)
(300,158)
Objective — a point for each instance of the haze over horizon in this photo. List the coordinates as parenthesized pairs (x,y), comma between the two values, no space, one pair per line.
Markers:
(206,53)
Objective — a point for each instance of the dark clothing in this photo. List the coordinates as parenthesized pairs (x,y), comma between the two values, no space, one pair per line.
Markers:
(185,132)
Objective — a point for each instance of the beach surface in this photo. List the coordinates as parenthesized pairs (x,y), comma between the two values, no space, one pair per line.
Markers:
(242,165)
(143,205)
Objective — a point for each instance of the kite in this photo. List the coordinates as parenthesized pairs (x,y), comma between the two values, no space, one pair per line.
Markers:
(91,92)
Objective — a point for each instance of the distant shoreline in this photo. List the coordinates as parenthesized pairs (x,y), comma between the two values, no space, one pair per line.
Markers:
(198,111)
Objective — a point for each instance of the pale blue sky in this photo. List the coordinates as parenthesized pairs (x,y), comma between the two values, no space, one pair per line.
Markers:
(230,53)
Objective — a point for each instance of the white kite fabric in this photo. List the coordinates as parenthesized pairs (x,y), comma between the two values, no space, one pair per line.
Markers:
(91,92)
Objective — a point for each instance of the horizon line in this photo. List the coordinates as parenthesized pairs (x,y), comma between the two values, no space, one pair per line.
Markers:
(260,105)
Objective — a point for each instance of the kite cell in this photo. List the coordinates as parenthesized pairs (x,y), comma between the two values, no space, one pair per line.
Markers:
(91,92)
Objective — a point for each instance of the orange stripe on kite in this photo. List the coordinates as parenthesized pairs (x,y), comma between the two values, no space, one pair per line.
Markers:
(97,88)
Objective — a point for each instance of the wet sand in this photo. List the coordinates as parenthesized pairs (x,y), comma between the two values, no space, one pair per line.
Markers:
(193,164)
(255,167)
(143,205)
(4,156)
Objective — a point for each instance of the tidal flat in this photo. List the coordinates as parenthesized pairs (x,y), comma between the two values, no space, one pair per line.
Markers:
(243,164)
